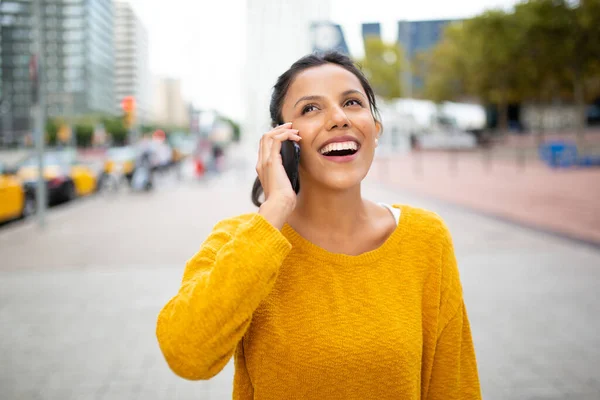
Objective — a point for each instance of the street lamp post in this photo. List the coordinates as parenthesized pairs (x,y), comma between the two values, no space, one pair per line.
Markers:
(39,108)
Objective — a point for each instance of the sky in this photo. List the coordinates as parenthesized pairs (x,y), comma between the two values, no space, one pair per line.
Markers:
(203,42)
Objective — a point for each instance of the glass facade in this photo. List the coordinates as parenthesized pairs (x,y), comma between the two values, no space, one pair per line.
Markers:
(371,30)
(418,36)
(78,60)
(15,87)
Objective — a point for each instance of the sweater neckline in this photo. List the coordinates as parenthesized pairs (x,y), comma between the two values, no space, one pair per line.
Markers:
(298,241)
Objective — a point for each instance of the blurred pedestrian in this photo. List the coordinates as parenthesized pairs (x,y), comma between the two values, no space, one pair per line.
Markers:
(324,294)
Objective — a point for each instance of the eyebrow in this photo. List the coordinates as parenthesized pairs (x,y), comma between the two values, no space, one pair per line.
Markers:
(314,97)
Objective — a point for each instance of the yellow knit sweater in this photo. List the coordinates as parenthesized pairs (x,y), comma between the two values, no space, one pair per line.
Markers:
(304,323)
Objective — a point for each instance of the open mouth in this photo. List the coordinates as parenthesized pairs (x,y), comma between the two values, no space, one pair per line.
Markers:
(339,149)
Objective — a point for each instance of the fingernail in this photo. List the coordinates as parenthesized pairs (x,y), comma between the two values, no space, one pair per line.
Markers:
(288,123)
(295,130)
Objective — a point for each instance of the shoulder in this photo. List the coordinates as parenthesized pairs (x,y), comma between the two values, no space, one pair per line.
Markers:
(231,224)
(425,225)
(226,228)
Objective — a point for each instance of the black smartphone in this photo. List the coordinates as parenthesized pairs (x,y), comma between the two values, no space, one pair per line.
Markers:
(290,155)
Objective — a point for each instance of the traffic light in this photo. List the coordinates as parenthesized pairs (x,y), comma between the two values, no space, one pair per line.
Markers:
(129,119)
(128,106)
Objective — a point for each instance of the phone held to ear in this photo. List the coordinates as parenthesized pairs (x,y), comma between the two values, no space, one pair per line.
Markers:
(290,154)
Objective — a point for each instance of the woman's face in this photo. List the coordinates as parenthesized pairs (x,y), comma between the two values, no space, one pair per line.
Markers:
(329,107)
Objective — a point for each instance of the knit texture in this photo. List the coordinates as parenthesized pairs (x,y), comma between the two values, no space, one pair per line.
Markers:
(305,323)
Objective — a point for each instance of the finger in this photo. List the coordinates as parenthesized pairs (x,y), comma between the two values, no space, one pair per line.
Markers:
(278,129)
(266,149)
(260,156)
(292,134)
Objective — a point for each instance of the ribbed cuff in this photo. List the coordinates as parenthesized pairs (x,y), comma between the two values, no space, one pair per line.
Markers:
(269,240)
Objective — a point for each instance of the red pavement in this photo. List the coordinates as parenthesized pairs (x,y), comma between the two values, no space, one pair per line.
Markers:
(562,201)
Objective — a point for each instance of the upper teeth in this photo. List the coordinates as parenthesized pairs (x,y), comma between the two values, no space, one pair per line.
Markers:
(339,146)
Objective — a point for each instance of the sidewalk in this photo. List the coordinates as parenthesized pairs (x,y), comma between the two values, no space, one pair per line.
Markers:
(80,298)
(566,202)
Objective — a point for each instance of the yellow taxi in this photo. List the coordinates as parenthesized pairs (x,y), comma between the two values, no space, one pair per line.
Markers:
(66,178)
(121,158)
(15,200)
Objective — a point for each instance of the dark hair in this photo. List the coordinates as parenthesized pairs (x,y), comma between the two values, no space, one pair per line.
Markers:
(287,78)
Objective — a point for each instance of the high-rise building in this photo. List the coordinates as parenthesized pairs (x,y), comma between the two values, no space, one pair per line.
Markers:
(169,107)
(327,36)
(418,36)
(77,62)
(15,86)
(132,71)
(415,37)
(371,30)
(278,33)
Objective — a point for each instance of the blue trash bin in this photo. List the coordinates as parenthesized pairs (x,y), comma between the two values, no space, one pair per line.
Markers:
(558,154)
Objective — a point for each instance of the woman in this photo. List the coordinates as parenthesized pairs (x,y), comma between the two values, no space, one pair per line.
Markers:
(324,294)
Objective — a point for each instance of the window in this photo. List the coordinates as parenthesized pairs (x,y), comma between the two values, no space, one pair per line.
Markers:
(73,11)
(51,9)
(74,35)
(7,20)
(73,48)
(10,7)
(73,23)
(74,60)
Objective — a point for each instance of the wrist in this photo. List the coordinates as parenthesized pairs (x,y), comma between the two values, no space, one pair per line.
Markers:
(277,210)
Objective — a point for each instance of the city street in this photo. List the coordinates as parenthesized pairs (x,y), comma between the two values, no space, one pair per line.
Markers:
(79,300)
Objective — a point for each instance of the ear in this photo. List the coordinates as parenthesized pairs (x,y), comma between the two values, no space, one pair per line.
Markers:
(379,128)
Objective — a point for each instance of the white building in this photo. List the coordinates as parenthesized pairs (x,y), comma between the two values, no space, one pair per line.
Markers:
(278,33)
(132,69)
(169,107)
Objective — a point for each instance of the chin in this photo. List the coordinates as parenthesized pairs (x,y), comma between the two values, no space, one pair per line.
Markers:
(342,180)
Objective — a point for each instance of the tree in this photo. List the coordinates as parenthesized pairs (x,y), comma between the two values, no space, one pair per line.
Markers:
(382,65)
(116,128)
(52,125)
(583,53)
(493,42)
(83,134)
(542,50)
(444,67)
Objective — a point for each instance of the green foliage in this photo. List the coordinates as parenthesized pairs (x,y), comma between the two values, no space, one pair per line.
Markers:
(539,51)
(115,127)
(52,125)
(83,134)
(237,133)
(382,65)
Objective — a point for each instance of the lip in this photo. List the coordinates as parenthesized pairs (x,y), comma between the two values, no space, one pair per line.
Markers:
(339,139)
(341,159)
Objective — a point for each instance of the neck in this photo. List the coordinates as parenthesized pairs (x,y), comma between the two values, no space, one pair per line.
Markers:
(326,210)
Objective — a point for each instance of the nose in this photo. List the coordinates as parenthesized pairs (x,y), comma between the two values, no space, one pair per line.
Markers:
(338,119)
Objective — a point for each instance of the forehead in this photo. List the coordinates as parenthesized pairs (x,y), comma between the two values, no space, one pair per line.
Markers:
(327,79)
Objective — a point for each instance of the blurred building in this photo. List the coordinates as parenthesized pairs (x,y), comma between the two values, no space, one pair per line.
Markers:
(169,107)
(15,87)
(278,33)
(327,36)
(371,30)
(132,71)
(78,61)
(419,36)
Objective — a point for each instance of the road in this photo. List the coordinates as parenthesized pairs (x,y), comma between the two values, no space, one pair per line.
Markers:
(78,301)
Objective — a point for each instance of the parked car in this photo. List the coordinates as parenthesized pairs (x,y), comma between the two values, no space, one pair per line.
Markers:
(15,200)
(122,159)
(66,177)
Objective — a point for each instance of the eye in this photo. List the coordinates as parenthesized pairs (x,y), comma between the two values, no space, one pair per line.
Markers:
(308,108)
(353,102)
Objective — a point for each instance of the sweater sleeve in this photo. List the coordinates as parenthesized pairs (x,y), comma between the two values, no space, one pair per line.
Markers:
(223,284)
(454,371)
